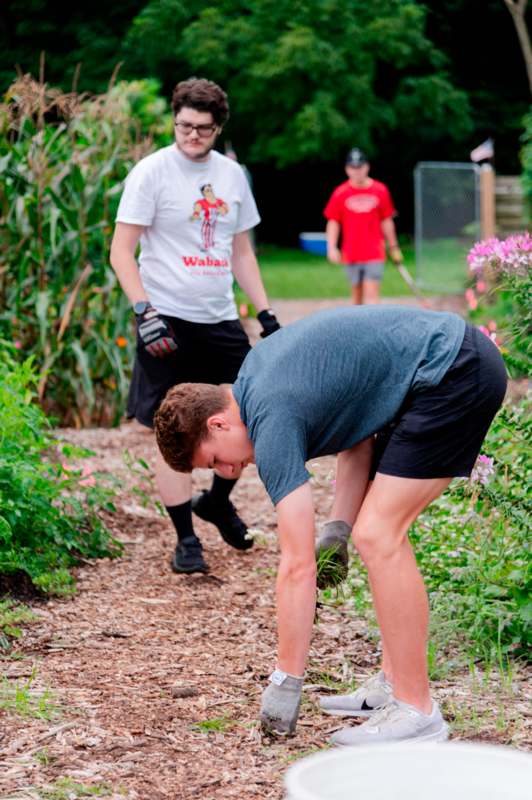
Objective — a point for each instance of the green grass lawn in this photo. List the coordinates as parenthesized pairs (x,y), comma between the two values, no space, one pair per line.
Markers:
(294,274)
(443,265)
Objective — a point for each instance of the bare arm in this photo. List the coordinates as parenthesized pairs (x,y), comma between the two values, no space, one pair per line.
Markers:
(246,271)
(123,261)
(390,234)
(333,235)
(296,579)
(352,477)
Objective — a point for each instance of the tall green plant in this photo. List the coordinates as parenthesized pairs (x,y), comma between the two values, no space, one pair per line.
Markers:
(63,158)
(48,513)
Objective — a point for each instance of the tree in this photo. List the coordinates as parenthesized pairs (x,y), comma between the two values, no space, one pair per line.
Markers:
(517,9)
(307,79)
(81,47)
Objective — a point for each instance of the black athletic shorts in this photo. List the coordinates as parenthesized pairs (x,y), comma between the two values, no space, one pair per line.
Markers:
(439,431)
(206,353)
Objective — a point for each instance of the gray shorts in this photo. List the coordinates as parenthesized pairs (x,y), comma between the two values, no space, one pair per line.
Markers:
(364,271)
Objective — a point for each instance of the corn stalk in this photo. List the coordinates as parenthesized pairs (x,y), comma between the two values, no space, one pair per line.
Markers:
(63,159)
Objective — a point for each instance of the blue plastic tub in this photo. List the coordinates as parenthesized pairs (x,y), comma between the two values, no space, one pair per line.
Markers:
(314,243)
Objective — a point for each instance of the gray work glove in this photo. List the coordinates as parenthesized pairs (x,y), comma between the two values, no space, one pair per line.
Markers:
(280,703)
(331,553)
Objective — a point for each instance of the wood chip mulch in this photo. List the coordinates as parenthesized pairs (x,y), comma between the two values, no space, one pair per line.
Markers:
(158,676)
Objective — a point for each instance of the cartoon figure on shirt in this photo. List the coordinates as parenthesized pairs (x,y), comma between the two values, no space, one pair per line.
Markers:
(208,210)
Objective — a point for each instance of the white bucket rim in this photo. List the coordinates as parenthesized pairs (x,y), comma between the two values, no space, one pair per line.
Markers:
(292,776)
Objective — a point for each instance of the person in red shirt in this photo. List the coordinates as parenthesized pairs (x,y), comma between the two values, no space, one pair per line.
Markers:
(362,211)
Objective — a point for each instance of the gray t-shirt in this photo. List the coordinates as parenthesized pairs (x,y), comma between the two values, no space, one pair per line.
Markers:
(326,382)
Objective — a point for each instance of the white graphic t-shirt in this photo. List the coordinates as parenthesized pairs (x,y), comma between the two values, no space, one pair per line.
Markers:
(191,212)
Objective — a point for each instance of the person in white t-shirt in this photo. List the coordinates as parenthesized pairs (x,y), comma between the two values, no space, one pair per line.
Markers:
(191,209)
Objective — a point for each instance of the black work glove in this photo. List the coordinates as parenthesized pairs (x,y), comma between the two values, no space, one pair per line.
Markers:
(155,334)
(269,323)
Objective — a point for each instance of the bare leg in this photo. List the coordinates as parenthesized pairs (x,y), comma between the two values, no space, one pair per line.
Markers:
(380,536)
(356,294)
(371,292)
(174,488)
(352,485)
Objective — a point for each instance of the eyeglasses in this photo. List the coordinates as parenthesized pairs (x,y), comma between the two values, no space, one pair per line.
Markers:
(203,130)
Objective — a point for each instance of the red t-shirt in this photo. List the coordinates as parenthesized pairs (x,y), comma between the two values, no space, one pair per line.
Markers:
(360,213)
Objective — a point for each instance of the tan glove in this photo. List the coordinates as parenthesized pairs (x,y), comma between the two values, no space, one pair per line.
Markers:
(396,255)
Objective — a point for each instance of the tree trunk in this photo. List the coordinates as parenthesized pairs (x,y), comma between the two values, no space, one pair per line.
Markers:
(517,9)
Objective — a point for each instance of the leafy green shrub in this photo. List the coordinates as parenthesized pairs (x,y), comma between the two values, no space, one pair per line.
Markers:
(526,160)
(63,158)
(48,512)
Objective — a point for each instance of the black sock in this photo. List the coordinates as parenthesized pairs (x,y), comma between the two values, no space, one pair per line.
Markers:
(220,489)
(181,516)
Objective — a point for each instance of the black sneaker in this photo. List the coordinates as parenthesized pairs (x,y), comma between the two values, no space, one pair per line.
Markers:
(232,530)
(188,556)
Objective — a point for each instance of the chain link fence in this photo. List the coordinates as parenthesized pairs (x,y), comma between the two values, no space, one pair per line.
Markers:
(447,206)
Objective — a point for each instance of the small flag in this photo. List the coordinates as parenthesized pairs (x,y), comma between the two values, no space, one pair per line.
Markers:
(483,151)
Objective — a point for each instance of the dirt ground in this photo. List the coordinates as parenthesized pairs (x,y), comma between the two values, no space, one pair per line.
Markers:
(158,676)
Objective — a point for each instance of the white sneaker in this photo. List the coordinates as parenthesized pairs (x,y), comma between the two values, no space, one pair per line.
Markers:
(396,722)
(372,695)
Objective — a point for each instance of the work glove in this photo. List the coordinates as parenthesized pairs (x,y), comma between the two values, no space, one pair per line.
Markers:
(331,553)
(155,334)
(280,703)
(396,255)
(269,323)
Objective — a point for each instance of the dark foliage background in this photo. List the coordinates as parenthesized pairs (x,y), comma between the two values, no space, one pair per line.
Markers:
(408,81)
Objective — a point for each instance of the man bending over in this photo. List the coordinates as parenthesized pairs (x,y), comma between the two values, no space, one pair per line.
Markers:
(405,398)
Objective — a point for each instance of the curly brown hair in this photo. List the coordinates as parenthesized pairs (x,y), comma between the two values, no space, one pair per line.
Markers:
(181,421)
(202,95)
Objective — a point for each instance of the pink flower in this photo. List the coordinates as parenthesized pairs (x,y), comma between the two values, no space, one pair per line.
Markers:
(483,471)
(87,478)
(481,286)
(512,255)
(18,344)
(471,299)
(490,334)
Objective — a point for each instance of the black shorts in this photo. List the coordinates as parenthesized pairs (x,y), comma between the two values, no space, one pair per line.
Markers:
(439,431)
(206,353)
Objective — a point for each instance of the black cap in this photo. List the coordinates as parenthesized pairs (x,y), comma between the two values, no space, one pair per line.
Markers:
(355,158)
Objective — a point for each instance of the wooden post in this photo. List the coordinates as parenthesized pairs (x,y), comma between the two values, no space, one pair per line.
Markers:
(487,201)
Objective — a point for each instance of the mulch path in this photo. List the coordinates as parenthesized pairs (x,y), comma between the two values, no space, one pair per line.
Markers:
(158,676)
